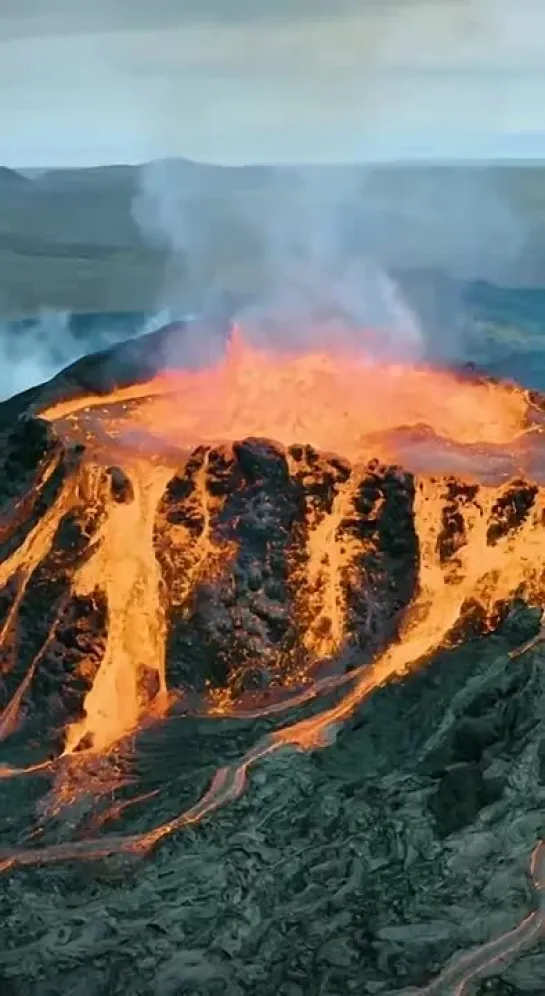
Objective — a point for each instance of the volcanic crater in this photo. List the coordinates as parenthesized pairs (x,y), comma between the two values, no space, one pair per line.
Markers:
(209,574)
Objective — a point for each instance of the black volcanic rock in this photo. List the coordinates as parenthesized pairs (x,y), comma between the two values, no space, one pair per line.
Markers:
(460,796)
(24,452)
(251,614)
(245,617)
(29,441)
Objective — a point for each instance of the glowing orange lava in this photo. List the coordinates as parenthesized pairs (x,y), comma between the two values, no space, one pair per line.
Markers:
(348,405)
(334,402)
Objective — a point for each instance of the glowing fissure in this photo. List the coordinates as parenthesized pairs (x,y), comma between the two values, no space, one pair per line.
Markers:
(192,555)
(330,551)
(24,505)
(19,567)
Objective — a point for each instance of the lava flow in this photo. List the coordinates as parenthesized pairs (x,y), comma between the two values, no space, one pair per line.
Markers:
(241,539)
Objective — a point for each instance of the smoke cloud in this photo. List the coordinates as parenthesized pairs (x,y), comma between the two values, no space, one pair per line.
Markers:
(278,255)
(303,254)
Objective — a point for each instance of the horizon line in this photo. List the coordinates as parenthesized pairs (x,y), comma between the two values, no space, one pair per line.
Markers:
(382,163)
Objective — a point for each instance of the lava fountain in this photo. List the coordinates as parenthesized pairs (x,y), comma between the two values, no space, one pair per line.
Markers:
(247,540)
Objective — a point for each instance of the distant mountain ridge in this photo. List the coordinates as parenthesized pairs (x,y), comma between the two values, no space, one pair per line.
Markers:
(69,239)
(10,177)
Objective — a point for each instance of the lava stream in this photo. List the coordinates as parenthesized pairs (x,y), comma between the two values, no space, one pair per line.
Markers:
(488,574)
(22,562)
(132,673)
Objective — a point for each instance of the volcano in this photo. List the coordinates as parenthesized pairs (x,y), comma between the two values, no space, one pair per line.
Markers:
(271,692)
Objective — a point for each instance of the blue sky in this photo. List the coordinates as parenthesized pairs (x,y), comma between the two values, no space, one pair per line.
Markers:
(270,80)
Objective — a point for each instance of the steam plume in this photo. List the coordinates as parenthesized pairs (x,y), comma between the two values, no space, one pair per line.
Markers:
(291,277)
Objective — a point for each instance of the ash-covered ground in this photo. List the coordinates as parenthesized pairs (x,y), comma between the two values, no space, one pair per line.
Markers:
(362,866)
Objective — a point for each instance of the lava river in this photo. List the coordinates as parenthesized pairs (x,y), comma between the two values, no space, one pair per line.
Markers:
(276,533)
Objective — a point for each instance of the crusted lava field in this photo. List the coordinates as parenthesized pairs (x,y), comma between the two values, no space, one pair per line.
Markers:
(271,678)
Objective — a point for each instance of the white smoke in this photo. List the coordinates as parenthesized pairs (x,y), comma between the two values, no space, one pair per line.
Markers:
(33,350)
(280,248)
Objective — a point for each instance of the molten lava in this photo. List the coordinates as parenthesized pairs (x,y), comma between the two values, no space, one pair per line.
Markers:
(332,403)
(349,406)
(393,505)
